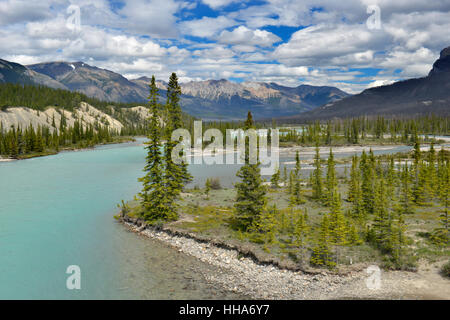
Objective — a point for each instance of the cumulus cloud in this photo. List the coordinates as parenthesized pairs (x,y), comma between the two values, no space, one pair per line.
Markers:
(332,46)
(408,41)
(215,4)
(412,63)
(281,70)
(379,83)
(326,44)
(206,26)
(19,11)
(151,17)
(245,37)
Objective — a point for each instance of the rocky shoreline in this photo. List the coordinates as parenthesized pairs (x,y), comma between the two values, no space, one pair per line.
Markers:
(243,273)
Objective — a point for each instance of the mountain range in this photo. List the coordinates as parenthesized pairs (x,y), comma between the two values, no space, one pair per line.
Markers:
(223,99)
(420,96)
(210,99)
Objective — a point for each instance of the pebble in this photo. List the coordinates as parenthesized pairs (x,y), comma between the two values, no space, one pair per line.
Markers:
(243,275)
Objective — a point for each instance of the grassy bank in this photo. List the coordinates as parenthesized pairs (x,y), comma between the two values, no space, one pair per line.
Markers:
(211,217)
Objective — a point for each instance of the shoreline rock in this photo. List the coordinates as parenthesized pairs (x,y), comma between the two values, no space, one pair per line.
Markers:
(244,274)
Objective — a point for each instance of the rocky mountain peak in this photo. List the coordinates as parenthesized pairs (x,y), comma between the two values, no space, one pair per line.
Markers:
(208,99)
(442,64)
(445,53)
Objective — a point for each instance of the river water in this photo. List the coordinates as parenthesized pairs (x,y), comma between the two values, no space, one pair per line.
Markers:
(57,211)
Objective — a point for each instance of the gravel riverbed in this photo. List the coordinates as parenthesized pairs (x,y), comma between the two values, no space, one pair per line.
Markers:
(242,275)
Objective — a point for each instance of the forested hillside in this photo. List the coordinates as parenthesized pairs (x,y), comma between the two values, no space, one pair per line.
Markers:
(37,120)
(412,97)
(40,97)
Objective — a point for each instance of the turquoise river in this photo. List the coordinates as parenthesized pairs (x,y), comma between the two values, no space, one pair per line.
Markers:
(57,211)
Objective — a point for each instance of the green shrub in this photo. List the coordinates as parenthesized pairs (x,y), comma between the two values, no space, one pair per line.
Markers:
(215,184)
(445,270)
(407,262)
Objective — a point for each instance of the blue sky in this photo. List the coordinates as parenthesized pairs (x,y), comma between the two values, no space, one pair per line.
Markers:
(319,42)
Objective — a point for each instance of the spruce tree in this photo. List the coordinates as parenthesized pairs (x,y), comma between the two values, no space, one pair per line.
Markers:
(250,192)
(153,194)
(421,189)
(383,225)
(291,183)
(176,122)
(391,179)
(354,184)
(353,237)
(265,226)
(301,229)
(285,177)
(441,234)
(175,175)
(207,187)
(275,179)
(321,255)
(431,174)
(331,182)
(338,230)
(367,167)
(406,205)
(297,180)
(317,177)
(398,239)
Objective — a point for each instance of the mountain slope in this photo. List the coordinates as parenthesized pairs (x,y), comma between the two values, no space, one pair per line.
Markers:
(92,81)
(233,100)
(85,113)
(426,95)
(11,72)
(211,99)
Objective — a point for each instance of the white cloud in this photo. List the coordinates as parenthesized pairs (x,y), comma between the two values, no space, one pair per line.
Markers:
(245,37)
(217,52)
(215,4)
(320,44)
(281,70)
(19,11)
(152,36)
(151,17)
(379,83)
(206,26)
(413,64)
(23,59)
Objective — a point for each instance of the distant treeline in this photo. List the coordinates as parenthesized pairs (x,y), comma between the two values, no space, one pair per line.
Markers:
(19,142)
(40,97)
(363,129)
(346,131)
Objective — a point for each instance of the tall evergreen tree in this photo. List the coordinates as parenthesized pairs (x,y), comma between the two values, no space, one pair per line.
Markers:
(317,177)
(153,194)
(406,206)
(301,229)
(354,184)
(296,196)
(265,226)
(207,187)
(321,255)
(275,179)
(175,175)
(367,167)
(250,192)
(175,122)
(441,234)
(331,182)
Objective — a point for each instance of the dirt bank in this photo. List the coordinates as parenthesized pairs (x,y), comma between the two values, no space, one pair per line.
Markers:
(244,273)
